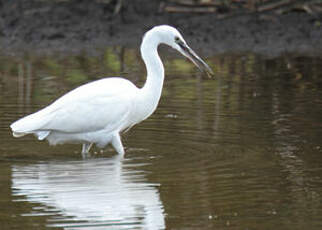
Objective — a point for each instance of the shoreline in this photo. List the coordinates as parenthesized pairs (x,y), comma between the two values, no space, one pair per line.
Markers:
(73,27)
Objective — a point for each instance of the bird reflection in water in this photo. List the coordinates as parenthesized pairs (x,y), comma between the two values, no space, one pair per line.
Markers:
(96,192)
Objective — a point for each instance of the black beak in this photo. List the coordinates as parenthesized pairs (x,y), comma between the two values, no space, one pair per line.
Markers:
(189,53)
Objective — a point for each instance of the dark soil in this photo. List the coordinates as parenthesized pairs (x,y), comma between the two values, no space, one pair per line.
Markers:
(73,26)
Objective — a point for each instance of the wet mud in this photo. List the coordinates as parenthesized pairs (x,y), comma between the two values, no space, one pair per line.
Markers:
(74,26)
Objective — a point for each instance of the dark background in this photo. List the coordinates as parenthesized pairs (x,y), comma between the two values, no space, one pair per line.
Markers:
(268,27)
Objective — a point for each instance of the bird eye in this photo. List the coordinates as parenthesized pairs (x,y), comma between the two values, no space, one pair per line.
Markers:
(176,39)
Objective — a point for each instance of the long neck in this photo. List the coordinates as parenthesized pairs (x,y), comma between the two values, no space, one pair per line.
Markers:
(154,66)
(151,91)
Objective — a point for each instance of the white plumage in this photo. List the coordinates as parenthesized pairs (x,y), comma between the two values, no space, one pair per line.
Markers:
(98,111)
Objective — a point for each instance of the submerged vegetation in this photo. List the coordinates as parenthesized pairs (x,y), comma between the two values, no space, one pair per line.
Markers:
(49,76)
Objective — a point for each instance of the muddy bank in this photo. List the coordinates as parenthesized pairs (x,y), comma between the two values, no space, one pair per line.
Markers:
(74,26)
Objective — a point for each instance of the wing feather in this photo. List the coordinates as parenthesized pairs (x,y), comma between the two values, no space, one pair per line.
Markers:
(102,104)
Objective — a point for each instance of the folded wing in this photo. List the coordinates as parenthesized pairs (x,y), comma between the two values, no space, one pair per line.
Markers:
(103,104)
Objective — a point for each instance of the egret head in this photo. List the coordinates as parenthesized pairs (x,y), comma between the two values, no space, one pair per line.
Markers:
(171,36)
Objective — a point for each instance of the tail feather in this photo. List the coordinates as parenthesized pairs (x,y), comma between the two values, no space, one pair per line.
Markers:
(17,134)
(31,124)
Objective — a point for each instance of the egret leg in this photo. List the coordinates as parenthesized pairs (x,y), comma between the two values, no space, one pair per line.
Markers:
(85,149)
(117,144)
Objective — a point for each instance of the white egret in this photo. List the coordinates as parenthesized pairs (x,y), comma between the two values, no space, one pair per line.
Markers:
(99,111)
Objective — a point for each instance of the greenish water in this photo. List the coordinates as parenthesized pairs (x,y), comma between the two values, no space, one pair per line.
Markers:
(240,151)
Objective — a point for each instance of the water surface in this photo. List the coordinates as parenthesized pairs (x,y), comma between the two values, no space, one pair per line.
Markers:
(240,151)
